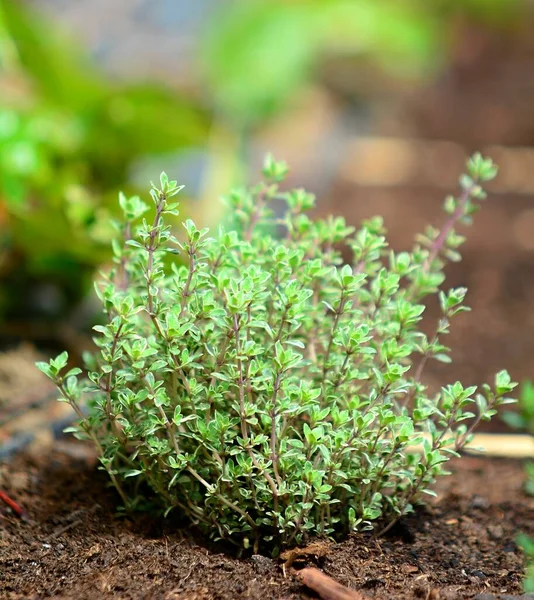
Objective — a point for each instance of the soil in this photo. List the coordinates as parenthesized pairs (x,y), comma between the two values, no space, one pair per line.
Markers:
(72,544)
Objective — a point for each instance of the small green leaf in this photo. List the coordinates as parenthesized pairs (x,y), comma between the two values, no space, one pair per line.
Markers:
(132,473)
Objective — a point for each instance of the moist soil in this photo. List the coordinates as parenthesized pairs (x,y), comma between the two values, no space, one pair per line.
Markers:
(72,544)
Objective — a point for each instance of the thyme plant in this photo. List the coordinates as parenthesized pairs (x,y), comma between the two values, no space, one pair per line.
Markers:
(261,385)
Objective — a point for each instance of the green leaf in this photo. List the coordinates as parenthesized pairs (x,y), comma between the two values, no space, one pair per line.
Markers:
(60,361)
(132,473)
(46,369)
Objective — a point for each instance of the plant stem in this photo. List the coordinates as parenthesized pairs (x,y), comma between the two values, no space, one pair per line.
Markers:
(89,430)
(154,232)
(439,242)
(186,292)
(111,416)
(274,416)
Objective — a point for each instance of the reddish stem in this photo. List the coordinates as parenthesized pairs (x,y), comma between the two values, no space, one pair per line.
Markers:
(439,242)
(16,508)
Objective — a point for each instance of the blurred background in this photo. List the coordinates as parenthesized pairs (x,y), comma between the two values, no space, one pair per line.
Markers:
(375,104)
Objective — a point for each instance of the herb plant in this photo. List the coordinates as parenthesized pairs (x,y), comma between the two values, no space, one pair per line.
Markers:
(524,417)
(527,544)
(524,420)
(265,389)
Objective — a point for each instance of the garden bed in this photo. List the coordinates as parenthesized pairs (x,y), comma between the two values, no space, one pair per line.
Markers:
(72,546)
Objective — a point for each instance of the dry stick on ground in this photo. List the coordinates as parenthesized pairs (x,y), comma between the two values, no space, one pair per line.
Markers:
(326,587)
(63,530)
(72,521)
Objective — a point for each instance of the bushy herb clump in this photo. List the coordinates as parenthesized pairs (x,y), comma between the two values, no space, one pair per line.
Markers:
(262,387)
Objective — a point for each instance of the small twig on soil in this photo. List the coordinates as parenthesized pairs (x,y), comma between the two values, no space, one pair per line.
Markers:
(73,521)
(326,587)
(16,508)
(63,529)
(189,573)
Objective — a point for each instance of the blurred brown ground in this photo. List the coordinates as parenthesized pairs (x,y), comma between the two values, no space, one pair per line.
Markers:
(485,101)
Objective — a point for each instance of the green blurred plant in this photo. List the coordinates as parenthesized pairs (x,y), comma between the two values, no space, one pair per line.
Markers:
(69,140)
(258,56)
(524,417)
(527,545)
(524,420)
(263,389)
(259,53)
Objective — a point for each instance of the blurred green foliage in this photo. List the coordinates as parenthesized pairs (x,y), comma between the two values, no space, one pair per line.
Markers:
(258,53)
(527,545)
(524,418)
(68,141)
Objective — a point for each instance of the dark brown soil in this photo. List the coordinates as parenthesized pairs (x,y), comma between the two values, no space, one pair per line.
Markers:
(72,545)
